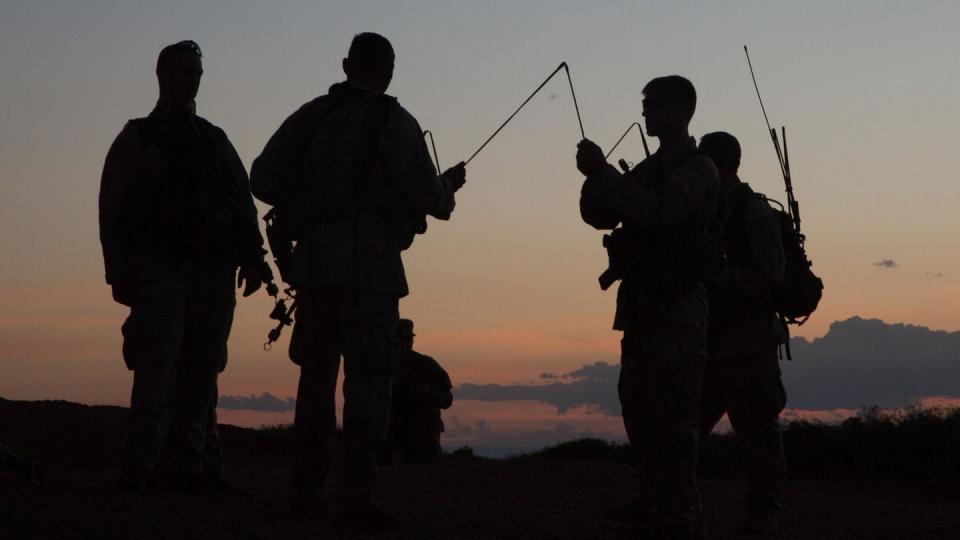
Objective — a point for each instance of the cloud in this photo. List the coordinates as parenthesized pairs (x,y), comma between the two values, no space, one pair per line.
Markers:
(863,362)
(886,264)
(858,363)
(593,386)
(264,402)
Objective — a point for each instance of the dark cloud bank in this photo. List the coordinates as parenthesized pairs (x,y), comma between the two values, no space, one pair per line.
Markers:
(858,363)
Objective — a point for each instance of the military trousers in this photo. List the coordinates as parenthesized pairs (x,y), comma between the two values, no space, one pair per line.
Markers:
(661,374)
(749,389)
(175,341)
(361,326)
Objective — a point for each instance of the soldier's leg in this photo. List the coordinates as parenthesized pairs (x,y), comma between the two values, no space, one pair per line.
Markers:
(213,448)
(209,317)
(676,362)
(152,336)
(313,346)
(633,387)
(712,404)
(371,349)
(755,395)
(712,409)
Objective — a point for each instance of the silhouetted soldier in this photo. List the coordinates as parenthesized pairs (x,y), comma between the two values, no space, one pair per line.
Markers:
(421,387)
(350,172)
(176,222)
(663,257)
(743,373)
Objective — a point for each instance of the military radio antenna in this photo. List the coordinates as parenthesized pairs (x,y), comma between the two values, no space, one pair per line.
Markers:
(563,65)
(770,130)
(646,149)
(436,157)
(783,158)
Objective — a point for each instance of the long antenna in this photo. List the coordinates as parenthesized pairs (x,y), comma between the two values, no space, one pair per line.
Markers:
(563,65)
(436,157)
(574,94)
(773,133)
(646,149)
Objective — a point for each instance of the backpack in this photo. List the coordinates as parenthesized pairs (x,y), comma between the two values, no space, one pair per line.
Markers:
(800,292)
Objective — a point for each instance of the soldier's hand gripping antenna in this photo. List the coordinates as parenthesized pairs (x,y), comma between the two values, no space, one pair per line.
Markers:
(563,66)
(646,149)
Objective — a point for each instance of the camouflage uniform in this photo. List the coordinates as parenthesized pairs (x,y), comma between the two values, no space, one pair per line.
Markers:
(421,388)
(662,311)
(176,221)
(364,184)
(743,373)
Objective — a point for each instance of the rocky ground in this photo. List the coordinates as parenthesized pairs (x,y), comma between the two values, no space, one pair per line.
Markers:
(461,498)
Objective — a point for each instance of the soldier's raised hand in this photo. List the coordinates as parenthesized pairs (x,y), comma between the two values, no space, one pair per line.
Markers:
(456,175)
(251,276)
(590,160)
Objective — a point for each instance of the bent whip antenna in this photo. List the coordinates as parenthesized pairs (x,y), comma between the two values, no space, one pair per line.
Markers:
(436,157)
(563,65)
(643,138)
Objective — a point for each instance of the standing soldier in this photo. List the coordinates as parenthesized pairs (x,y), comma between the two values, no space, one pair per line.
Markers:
(350,178)
(176,222)
(421,387)
(663,256)
(743,373)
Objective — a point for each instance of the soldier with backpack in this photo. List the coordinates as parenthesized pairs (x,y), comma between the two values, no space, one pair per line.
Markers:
(743,372)
(351,183)
(660,250)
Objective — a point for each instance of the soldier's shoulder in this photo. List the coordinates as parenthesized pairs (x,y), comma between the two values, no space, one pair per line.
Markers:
(702,165)
(399,113)
(209,127)
(128,140)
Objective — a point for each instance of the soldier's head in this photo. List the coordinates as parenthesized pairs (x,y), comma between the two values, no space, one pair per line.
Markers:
(724,150)
(405,333)
(668,105)
(370,61)
(179,68)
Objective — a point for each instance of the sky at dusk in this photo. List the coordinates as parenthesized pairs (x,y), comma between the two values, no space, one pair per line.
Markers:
(507,289)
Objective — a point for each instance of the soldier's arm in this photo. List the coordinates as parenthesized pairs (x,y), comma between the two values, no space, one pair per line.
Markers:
(618,197)
(409,164)
(593,210)
(285,149)
(247,219)
(114,203)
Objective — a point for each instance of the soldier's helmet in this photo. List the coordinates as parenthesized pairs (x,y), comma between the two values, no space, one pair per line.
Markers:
(405,328)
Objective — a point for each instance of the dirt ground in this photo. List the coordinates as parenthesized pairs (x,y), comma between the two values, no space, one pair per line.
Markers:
(78,447)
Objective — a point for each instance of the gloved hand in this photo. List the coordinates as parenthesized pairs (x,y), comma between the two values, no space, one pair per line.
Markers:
(456,175)
(590,160)
(250,275)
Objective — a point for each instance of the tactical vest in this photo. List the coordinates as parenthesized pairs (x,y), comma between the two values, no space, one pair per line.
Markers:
(193,213)
(664,261)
